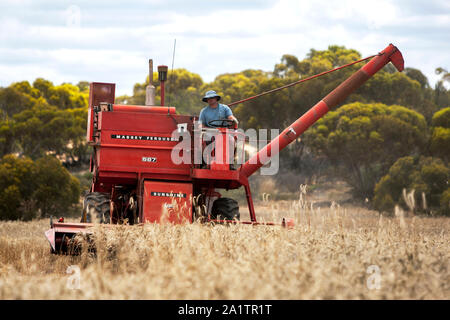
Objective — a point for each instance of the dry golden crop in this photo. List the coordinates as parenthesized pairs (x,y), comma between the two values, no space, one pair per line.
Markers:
(330,254)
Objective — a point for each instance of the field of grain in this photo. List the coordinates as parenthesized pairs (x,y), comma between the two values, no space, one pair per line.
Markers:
(332,253)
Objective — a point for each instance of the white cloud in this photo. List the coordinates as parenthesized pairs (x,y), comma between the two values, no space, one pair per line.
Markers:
(111,41)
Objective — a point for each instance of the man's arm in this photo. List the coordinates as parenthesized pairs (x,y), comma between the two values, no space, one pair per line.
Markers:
(229,115)
(233,118)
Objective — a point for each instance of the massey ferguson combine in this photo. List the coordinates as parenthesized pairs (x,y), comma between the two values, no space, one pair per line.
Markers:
(148,164)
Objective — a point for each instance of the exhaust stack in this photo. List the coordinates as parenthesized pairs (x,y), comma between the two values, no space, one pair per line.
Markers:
(150,89)
(162,75)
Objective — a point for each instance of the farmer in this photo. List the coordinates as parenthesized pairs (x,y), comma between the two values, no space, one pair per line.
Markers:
(217,111)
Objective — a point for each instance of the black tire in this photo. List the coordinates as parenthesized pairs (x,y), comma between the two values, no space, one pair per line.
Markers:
(98,203)
(225,209)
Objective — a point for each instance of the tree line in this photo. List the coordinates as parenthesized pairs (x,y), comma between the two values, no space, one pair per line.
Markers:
(392,133)
(42,133)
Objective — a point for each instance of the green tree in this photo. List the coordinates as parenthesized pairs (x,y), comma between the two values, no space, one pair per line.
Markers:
(441,94)
(397,88)
(440,138)
(13,101)
(16,188)
(35,189)
(83,86)
(56,189)
(6,137)
(445,201)
(426,175)
(416,74)
(66,96)
(316,61)
(43,118)
(76,150)
(366,139)
(44,87)
(25,88)
(442,118)
(42,129)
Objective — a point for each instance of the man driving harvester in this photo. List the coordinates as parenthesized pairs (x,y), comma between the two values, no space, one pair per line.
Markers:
(216,115)
(215,111)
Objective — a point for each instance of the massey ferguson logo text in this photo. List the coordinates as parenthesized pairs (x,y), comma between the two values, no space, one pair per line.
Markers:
(142,138)
(168,194)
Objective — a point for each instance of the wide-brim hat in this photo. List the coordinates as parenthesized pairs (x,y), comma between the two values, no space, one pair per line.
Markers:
(210,94)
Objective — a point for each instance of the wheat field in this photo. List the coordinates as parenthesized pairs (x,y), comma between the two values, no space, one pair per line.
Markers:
(331,253)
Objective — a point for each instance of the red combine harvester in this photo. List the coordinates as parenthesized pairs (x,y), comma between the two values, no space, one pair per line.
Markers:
(135,177)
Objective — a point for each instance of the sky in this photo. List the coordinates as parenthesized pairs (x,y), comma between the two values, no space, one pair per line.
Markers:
(111,41)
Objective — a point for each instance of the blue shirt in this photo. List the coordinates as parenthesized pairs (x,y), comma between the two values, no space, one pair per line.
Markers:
(221,112)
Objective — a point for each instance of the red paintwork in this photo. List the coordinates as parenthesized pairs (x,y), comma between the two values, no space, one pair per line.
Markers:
(98,92)
(389,54)
(220,161)
(125,150)
(223,145)
(144,109)
(58,229)
(167,202)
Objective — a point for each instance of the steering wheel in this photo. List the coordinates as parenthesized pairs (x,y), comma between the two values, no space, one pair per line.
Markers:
(229,123)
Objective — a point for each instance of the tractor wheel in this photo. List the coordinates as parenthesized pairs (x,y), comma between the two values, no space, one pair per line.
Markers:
(97,203)
(226,209)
